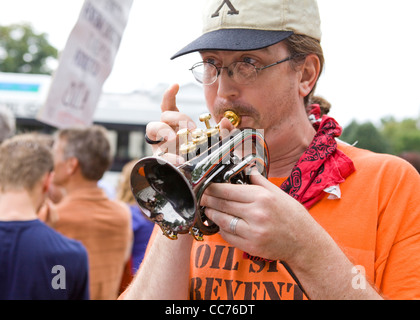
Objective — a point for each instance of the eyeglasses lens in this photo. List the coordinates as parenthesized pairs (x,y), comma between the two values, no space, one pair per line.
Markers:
(241,72)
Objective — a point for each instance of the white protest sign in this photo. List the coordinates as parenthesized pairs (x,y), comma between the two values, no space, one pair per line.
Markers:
(85,63)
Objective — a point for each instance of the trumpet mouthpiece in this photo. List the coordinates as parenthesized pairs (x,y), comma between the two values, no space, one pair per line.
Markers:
(233,118)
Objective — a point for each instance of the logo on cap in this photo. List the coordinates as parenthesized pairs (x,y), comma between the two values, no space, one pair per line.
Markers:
(232,9)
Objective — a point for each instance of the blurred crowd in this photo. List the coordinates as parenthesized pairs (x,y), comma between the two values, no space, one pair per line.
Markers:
(61,235)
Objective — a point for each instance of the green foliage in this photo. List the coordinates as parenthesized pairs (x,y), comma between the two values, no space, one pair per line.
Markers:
(24,51)
(391,136)
(403,135)
(367,137)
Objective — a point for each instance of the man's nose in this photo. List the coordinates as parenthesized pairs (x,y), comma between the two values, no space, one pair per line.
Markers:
(227,87)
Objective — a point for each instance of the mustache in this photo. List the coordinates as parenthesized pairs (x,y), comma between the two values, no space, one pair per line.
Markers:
(242,109)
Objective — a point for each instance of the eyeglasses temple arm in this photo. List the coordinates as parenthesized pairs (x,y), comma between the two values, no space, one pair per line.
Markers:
(275,63)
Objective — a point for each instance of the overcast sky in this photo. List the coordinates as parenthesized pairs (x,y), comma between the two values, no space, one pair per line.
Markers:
(371,47)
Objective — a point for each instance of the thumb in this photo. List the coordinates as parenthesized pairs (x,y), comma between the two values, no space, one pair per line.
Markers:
(169,99)
(258,179)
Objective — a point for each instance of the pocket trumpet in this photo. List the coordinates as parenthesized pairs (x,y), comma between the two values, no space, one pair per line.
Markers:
(170,195)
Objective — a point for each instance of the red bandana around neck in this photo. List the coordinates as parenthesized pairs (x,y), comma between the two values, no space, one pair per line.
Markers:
(321,166)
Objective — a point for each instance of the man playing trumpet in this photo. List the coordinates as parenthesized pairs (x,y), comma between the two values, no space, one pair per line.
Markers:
(331,221)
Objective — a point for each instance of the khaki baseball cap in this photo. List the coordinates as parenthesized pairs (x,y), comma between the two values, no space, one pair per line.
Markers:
(244,25)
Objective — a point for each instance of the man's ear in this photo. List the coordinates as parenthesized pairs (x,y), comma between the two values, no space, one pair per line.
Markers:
(71,165)
(46,181)
(310,71)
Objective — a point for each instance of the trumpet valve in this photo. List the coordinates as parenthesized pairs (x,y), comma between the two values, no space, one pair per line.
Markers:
(198,136)
(205,117)
(188,150)
(200,140)
(186,147)
(210,132)
(183,136)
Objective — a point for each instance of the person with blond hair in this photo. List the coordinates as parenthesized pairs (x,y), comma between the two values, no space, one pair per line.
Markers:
(36,262)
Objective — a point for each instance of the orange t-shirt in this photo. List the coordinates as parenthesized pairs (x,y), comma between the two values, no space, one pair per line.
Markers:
(376,223)
(103,226)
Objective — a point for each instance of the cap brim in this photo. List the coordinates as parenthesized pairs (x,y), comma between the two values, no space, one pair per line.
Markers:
(234,40)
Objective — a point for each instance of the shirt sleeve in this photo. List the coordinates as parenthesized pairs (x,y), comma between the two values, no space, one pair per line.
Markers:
(397,264)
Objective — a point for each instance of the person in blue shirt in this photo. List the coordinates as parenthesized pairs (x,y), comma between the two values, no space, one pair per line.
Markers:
(36,262)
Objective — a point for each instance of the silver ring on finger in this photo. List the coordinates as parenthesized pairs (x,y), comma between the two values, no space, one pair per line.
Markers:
(233,224)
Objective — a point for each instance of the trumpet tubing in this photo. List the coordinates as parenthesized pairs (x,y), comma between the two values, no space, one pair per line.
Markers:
(170,195)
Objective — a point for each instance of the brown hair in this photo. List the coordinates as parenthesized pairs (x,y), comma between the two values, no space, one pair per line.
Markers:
(300,46)
(24,160)
(323,104)
(90,146)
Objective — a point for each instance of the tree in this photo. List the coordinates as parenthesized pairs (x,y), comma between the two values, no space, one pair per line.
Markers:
(24,51)
(403,135)
(366,136)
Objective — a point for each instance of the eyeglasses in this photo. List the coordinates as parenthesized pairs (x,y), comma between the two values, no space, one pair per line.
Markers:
(241,72)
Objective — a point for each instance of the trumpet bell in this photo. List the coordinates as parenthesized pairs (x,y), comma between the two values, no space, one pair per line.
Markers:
(164,194)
